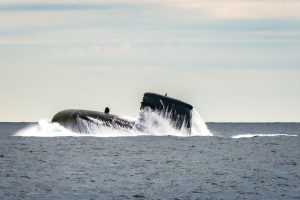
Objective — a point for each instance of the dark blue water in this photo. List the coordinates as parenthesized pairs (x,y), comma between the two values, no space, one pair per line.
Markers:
(152,167)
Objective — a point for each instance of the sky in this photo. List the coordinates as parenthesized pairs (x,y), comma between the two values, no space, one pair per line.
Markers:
(233,60)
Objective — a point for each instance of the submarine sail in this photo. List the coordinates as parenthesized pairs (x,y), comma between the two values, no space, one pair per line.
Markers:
(177,112)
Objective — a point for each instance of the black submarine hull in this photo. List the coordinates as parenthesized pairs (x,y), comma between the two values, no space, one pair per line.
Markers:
(80,120)
(178,112)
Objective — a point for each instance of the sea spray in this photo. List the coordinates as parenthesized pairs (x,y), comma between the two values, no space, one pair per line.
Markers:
(46,129)
(199,127)
(156,123)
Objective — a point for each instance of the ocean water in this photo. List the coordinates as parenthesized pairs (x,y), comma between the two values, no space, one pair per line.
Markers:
(233,161)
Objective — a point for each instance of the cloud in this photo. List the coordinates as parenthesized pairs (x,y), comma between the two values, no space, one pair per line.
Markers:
(8,7)
(219,9)
(241,9)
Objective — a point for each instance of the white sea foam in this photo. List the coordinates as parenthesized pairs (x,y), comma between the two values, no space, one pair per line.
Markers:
(260,135)
(199,127)
(151,123)
(45,129)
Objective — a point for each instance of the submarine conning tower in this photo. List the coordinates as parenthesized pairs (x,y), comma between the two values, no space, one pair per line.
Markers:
(179,112)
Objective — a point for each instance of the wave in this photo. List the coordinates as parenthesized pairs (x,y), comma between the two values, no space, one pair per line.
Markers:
(153,125)
(260,135)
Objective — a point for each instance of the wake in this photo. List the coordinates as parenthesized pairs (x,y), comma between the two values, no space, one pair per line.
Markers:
(260,135)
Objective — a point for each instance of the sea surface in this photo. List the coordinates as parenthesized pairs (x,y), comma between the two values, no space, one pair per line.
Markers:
(240,161)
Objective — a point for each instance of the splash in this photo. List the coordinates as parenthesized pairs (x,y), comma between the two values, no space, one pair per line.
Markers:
(260,135)
(47,129)
(152,124)
(199,127)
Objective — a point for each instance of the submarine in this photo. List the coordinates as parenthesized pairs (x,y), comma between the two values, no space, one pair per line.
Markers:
(176,111)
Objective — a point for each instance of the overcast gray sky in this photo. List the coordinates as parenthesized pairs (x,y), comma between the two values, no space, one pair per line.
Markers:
(234,60)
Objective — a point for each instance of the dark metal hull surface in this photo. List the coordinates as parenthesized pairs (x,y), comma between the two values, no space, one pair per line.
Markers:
(78,120)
